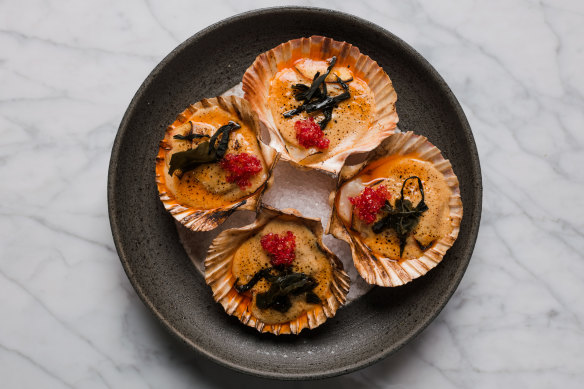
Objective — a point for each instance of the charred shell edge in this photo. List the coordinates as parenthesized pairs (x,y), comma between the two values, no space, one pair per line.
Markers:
(218,275)
(208,219)
(256,84)
(383,271)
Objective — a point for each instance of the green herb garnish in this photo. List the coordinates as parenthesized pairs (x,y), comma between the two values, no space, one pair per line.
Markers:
(282,286)
(403,217)
(205,152)
(315,97)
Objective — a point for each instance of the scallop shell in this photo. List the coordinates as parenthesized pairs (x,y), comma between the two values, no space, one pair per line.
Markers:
(383,271)
(208,219)
(218,275)
(256,84)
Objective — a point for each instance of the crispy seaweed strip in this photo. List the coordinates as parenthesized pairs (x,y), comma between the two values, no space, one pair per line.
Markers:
(312,298)
(264,273)
(300,91)
(324,91)
(224,131)
(424,247)
(403,217)
(278,296)
(344,83)
(300,95)
(329,102)
(282,286)
(190,136)
(190,159)
(319,79)
(316,98)
(328,115)
(293,112)
(305,92)
(205,152)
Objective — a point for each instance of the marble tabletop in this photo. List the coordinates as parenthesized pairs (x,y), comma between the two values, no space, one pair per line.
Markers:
(69,315)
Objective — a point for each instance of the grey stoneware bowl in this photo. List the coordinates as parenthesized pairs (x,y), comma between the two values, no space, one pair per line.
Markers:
(207,64)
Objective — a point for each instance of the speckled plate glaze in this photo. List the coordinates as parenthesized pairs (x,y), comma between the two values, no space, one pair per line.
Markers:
(206,65)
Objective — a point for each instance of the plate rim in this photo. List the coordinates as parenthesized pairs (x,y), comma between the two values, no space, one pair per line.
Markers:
(375,357)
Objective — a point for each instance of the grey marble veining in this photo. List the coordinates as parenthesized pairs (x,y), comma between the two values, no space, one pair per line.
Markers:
(69,315)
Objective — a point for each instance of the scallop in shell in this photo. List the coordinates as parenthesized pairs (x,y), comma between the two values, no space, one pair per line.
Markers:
(410,212)
(276,297)
(311,84)
(194,183)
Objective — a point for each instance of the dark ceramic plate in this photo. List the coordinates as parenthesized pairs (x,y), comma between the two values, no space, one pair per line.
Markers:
(206,65)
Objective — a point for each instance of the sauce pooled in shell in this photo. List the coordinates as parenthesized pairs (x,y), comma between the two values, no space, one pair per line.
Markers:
(309,259)
(210,185)
(350,120)
(391,172)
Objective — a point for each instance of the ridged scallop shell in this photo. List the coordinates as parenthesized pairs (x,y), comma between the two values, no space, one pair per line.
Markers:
(219,276)
(383,271)
(256,84)
(208,219)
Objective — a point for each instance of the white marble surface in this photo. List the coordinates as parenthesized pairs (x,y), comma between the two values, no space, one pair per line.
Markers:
(70,318)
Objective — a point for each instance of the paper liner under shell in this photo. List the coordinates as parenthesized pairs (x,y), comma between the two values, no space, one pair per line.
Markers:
(208,219)
(256,85)
(219,276)
(387,272)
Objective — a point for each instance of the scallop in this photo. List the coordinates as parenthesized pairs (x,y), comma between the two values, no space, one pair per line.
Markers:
(410,169)
(204,196)
(308,68)
(358,123)
(244,279)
